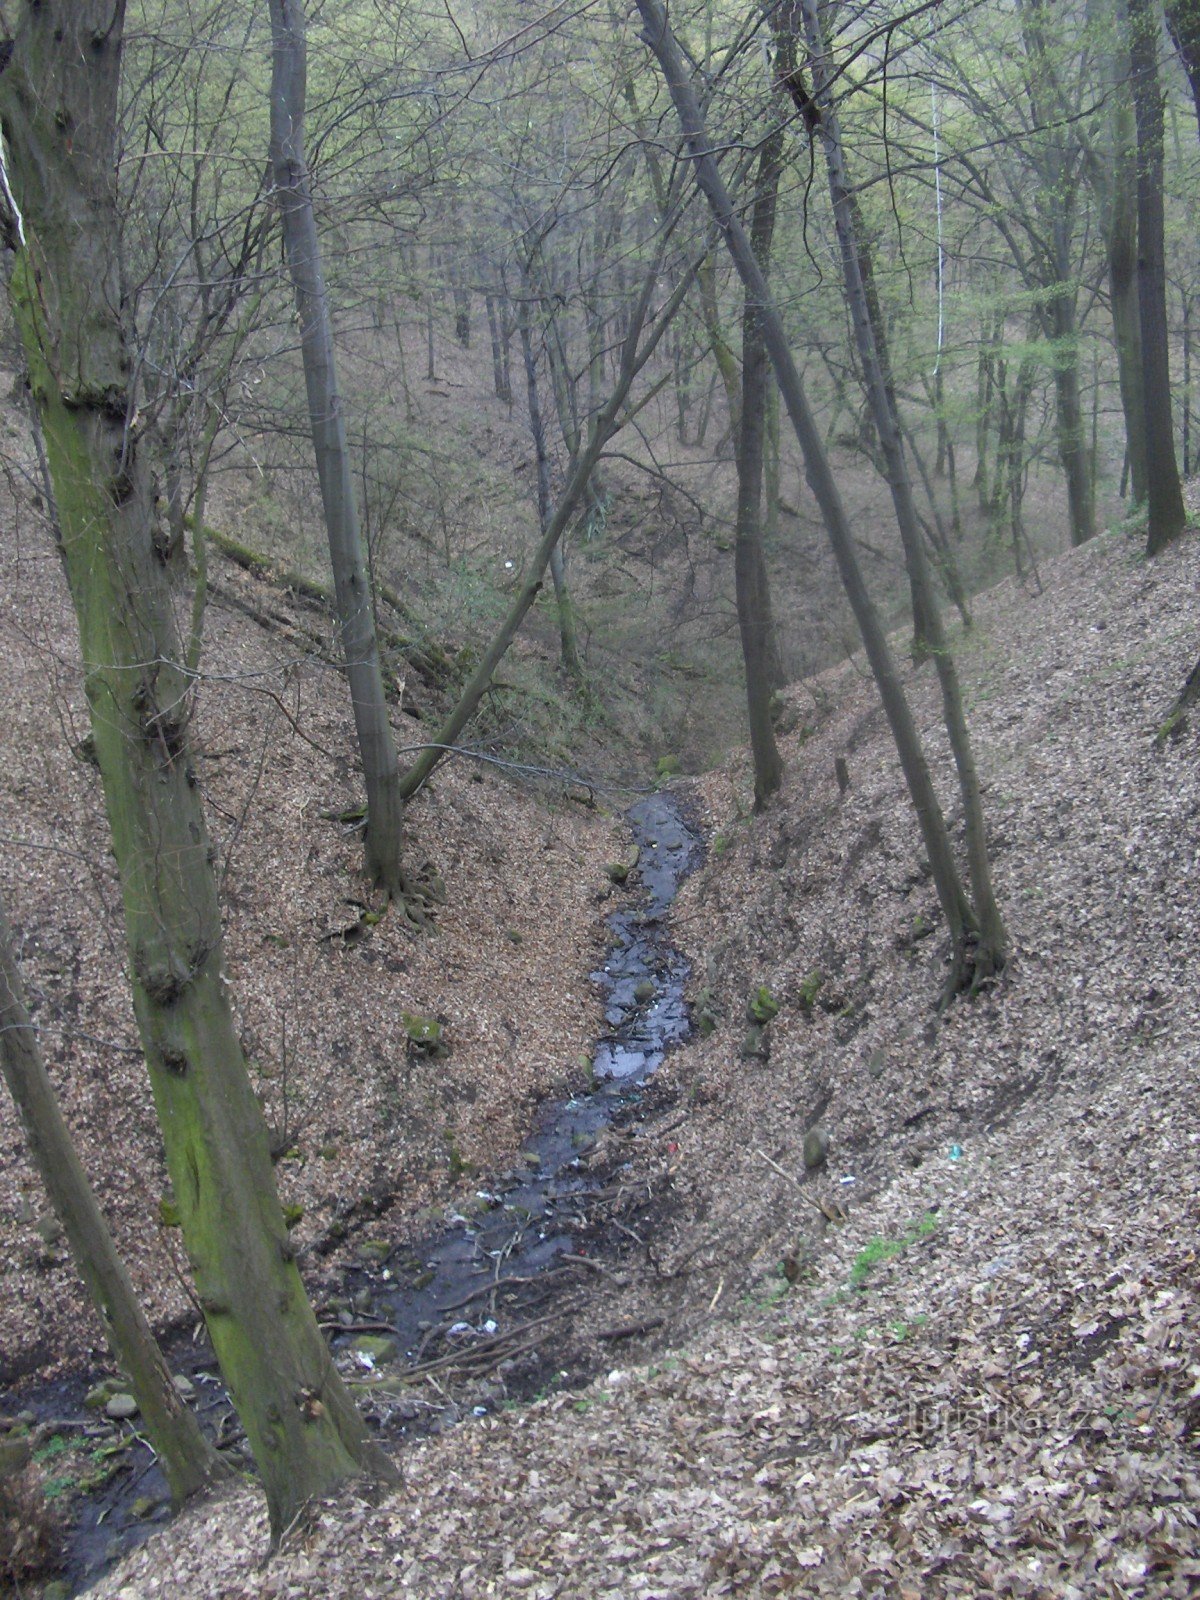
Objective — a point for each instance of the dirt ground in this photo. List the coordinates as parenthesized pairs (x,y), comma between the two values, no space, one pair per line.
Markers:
(960,1355)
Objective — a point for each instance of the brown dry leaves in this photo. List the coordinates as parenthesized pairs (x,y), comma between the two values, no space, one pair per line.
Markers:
(360,1116)
(987,1381)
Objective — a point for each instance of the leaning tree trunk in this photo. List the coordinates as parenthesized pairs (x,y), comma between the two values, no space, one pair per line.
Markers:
(189,1461)
(606,424)
(1167,517)
(959,917)
(1183,19)
(992,942)
(66,293)
(381,771)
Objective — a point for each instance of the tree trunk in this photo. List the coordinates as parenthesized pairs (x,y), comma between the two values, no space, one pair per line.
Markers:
(303,1428)
(992,941)
(959,917)
(1183,19)
(189,1462)
(1166,515)
(569,648)
(499,376)
(381,770)
(1072,444)
(1121,243)
(751,585)
(632,361)
(1185,307)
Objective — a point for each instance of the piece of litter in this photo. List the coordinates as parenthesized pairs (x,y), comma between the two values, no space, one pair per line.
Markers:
(848,1179)
(956,1152)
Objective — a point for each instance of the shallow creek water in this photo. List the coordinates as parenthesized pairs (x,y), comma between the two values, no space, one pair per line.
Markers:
(445,1293)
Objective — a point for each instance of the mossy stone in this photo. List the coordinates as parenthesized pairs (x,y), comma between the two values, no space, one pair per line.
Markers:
(646,990)
(14,1456)
(379,1346)
(96,1399)
(816,1148)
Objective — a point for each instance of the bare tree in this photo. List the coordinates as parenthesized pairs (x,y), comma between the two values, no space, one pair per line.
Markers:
(960,918)
(1166,515)
(189,1462)
(58,110)
(352,587)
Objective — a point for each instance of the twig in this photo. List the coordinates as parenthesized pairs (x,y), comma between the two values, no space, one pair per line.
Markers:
(627,1330)
(775,1167)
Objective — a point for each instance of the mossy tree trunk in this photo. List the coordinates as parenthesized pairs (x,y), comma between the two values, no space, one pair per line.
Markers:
(58,111)
(289,164)
(189,1462)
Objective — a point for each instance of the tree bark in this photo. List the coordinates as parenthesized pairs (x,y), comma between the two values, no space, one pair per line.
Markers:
(1122,248)
(606,423)
(58,111)
(568,646)
(751,584)
(1166,515)
(959,917)
(381,770)
(1183,19)
(991,948)
(189,1462)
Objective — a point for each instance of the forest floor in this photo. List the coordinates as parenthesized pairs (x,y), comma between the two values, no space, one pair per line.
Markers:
(959,1357)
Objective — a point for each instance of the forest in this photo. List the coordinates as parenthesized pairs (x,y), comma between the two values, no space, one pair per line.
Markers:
(598,939)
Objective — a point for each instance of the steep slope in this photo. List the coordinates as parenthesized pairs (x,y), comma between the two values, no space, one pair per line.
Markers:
(972,1366)
(361,1116)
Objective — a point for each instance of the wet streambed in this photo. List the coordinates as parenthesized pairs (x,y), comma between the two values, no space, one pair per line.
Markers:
(473,1300)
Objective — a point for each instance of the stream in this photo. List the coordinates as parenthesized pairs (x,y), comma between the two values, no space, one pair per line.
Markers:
(464,1306)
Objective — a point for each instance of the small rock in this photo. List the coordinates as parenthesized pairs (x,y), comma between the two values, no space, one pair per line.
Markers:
(816,1148)
(646,990)
(120,1407)
(96,1399)
(49,1230)
(363,1301)
(184,1387)
(378,1346)
(14,1456)
(446,1419)
(374,1250)
(144,1506)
